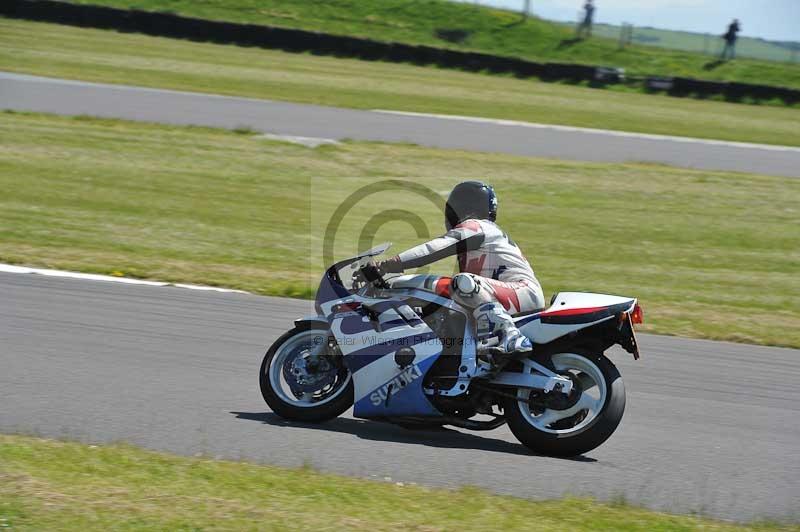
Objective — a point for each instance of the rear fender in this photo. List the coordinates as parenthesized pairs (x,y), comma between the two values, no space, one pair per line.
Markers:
(582,320)
(595,338)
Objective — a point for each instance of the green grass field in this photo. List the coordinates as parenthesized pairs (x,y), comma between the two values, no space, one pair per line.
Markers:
(53,485)
(107,56)
(489,30)
(700,249)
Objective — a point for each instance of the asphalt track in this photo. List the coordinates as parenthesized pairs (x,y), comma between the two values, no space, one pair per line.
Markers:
(710,427)
(31,93)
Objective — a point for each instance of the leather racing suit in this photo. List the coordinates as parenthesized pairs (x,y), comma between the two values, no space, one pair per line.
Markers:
(495,279)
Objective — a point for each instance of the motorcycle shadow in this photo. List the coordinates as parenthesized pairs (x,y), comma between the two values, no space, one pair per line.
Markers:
(442,437)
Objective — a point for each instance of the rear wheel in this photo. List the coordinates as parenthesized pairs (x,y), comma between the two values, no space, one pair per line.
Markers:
(303,378)
(567,425)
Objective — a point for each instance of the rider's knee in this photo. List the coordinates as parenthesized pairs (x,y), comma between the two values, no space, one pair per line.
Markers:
(465,285)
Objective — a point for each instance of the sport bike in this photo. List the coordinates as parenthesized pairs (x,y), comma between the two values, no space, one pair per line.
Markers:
(398,349)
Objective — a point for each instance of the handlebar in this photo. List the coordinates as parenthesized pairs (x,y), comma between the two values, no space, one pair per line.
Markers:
(369,273)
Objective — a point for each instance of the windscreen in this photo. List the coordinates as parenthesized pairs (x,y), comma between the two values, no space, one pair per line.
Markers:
(346,272)
(346,269)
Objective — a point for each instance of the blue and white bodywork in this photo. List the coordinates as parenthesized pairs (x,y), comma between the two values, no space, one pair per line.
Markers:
(369,332)
(401,350)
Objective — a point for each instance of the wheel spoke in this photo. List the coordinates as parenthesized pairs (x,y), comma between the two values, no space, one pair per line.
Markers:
(550,415)
(307,397)
(589,403)
(587,382)
(586,402)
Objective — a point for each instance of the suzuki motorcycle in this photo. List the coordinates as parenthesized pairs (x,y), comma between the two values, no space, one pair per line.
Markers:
(398,349)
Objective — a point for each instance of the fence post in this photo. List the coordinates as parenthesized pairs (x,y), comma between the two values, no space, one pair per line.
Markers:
(623,30)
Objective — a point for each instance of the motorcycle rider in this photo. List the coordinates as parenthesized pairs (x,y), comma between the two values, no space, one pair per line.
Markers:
(495,279)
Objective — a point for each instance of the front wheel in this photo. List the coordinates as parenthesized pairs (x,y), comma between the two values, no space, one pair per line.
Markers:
(303,377)
(568,425)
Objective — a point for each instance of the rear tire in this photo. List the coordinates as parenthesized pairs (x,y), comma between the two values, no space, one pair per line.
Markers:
(582,439)
(279,401)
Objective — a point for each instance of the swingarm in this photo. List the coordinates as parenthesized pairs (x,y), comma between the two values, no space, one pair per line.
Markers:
(534,376)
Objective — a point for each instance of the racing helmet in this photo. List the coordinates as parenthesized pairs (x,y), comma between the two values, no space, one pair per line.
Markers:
(470,199)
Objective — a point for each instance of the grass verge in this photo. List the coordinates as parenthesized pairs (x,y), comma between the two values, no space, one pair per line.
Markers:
(107,56)
(468,27)
(49,485)
(710,254)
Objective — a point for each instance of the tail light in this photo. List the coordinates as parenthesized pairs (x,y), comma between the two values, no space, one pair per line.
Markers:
(347,307)
(637,316)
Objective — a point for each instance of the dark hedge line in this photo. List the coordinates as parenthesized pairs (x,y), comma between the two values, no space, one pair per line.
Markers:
(171,25)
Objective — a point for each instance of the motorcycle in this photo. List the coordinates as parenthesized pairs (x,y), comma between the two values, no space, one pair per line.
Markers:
(399,350)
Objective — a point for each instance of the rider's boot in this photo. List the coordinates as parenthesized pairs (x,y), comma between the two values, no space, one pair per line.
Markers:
(492,319)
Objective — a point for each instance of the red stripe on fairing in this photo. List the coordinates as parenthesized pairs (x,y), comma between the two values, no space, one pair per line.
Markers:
(571,311)
(442,287)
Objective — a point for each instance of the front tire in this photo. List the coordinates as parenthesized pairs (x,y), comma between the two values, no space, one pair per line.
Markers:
(570,425)
(330,401)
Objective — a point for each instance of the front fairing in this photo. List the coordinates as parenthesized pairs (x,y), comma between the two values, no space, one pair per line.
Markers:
(369,331)
(336,283)
(369,338)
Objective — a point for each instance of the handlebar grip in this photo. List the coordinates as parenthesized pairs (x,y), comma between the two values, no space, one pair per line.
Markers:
(371,273)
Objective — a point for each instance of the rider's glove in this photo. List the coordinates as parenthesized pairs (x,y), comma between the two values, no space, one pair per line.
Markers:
(393,265)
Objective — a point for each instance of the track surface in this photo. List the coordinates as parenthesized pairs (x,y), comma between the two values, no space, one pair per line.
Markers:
(31,93)
(710,427)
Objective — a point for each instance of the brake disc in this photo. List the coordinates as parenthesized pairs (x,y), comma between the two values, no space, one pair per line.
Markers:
(308,373)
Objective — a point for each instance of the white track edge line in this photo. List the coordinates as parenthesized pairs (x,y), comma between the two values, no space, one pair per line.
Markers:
(10,268)
(593,131)
(309,142)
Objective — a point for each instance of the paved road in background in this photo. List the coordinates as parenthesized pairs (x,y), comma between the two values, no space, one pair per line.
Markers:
(22,92)
(710,427)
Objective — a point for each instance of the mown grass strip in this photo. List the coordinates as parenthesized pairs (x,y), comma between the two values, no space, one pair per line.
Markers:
(107,56)
(710,254)
(55,485)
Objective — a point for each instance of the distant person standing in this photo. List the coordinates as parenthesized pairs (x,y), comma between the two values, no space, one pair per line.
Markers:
(585,27)
(729,51)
